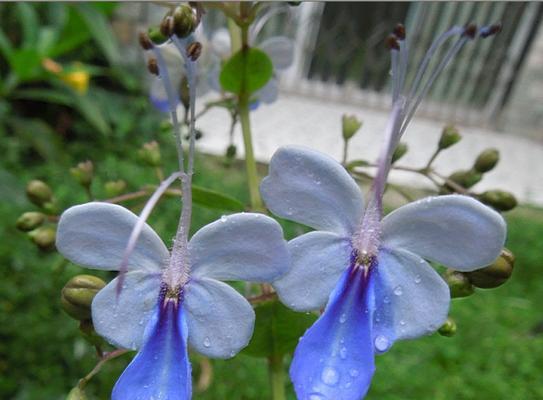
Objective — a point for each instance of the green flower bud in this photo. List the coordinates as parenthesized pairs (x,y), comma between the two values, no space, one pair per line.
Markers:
(145,41)
(459,284)
(76,394)
(466,179)
(487,160)
(231,151)
(399,152)
(114,188)
(44,237)
(76,296)
(51,207)
(496,274)
(38,192)
(500,200)
(448,329)
(350,125)
(83,173)
(184,21)
(449,137)
(156,36)
(30,220)
(150,154)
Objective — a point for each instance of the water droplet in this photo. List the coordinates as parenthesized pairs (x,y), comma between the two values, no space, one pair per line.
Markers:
(381,343)
(418,279)
(402,322)
(232,353)
(398,291)
(386,300)
(343,353)
(207,342)
(223,218)
(348,385)
(354,373)
(342,318)
(330,376)
(316,396)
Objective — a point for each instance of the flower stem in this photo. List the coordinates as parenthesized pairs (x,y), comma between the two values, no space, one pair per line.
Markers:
(250,162)
(277,376)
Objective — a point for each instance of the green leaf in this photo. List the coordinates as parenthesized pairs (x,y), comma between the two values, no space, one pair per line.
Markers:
(277,330)
(29,21)
(259,70)
(357,163)
(25,63)
(100,30)
(212,199)
(45,95)
(40,136)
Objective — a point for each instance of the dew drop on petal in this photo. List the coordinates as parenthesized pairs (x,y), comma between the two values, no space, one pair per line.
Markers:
(354,373)
(343,353)
(342,318)
(316,396)
(207,342)
(330,376)
(381,343)
(223,218)
(402,322)
(418,279)
(386,300)
(398,291)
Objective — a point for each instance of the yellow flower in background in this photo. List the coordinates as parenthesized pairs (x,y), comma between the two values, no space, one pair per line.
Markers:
(76,76)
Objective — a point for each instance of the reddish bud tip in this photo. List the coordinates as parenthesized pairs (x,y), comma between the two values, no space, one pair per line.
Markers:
(470,30)
(391,43)
(399,31)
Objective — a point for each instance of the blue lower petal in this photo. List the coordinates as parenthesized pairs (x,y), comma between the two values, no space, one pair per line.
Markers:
(161,369)
(335,358)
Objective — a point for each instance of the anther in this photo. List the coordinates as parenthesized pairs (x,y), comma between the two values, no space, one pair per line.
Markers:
(145,41)
(399,32)
(194,50)
(391,42)
(470,30)
(152,66)
(493,29)
(167,26)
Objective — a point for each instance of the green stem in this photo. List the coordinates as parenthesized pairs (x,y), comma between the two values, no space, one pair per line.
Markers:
(250,162)
(277,377)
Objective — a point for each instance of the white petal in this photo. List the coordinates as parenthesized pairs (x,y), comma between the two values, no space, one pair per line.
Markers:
(317,261)
(457,231)
(411,299)
(244,246)
(280,49)
(220,320)
(122,320)
(96,234)
(313,189)
(268,94)
(221,43)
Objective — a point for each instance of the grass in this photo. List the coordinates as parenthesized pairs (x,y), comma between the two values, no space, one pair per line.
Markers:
(495,354)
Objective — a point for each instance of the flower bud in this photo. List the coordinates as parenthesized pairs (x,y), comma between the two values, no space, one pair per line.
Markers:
(30,220)
(449,137)
(83,173)
(194,50)
(44,237)
(399,152)
(496,274)
(350,125)
(51,207)
(487,160)
(466,179)
(156,36)
(231,151)
(150,154)
(76,296)
(38,192)
(448,329)
(167,26)
(152,66)
(184,21)
(76,394)
(145,41)
(499,200)
(114,188)
(459,284)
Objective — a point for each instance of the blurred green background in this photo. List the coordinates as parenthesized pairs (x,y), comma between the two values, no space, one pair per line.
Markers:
(51,118)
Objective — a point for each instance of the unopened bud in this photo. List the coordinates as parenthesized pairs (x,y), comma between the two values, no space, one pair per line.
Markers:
(399,152)
(448,329)
(114,188)
(44,237)
(466,179)
(493,29)
(194,50)
(152,66)
(83,173)
(30,220)
(231,151)
(496,274)
(156,36)
(391,42)
(166,26)
(145,41)
(77,295)
(487,160)
(184,21)
(350,125)
(459,284)
(76,394)
(38,192)
(51,207)
(500,200)
(150,154)
(470,30)
(399,31)
(449,137)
